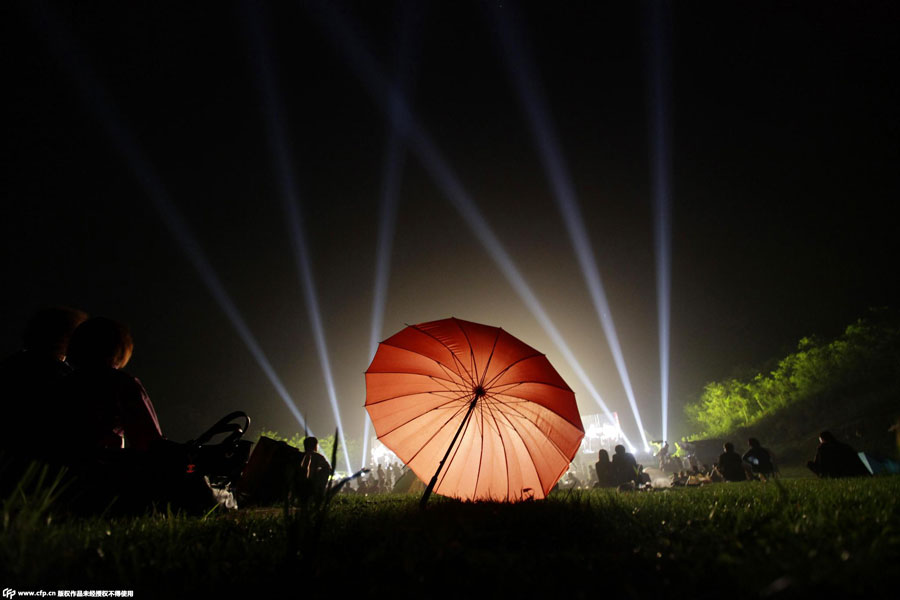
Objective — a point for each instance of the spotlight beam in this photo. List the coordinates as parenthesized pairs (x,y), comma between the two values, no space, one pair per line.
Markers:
(546,141)
(395,158)
(275,127)
(660,165)
(100,103)
(428,154)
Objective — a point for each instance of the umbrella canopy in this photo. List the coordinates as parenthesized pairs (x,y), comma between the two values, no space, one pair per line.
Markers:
(490,405)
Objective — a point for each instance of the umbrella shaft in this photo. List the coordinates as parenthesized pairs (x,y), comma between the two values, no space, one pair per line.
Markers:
(434,479)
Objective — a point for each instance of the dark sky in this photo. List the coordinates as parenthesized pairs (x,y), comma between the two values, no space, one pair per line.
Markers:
(784,143)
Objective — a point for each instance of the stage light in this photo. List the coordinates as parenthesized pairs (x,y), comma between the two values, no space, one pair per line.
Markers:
(428,154)
(526,83)
(99,102)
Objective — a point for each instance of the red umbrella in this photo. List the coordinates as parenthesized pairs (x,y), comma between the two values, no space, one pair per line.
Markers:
(473,410)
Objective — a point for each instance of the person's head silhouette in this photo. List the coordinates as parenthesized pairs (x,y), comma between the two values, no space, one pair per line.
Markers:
(100,342)
(49,330)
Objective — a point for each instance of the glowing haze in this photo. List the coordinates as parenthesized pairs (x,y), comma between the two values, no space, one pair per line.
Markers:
(258,237)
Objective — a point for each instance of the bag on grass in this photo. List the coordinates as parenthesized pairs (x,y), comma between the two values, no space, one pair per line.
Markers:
(270,473)
(197,475)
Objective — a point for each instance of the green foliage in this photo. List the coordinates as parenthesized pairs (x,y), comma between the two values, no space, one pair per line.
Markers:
(27,510)
(867,354)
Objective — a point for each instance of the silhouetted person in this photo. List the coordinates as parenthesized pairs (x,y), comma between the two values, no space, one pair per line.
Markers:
(382,479)
(624,466)
(572,481)
(836,459)
(392,475)
(604,470)
(759,459)
(663,455)
(730,465)
(29,377)
(314,467)
(103,406)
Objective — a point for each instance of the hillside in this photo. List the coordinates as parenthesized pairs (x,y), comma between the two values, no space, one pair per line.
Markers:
(849,385)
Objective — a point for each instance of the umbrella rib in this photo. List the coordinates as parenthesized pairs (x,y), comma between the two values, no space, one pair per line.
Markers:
(515,385)
(438,430)
(471,351)
(408,373)
(432,393)
(510,386)
(460,389)
(527,449)
(536,382)
(452,353)
(552,441)
(490,358)
(459,385)
(442,365)
(502,443)
(522,400)
(458,381)
(525,418)
(510,366)
(451,400)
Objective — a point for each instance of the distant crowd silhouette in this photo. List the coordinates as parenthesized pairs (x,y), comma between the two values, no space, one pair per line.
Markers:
(622,470)
(833,459)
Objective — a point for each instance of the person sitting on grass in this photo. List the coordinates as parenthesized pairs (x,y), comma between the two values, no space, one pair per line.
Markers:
(624,466)
(103,407)
(759,459)
(571,480)
(28,380)
(103,426)
(604,470)
(730,465)
(314,468)
(836,459)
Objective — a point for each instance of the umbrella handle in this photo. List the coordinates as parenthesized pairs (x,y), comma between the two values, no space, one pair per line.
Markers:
(434,479)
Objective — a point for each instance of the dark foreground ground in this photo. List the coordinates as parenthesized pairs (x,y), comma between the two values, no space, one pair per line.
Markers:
(792,539)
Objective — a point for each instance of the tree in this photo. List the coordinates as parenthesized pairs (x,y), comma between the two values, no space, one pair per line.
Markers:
(866,354)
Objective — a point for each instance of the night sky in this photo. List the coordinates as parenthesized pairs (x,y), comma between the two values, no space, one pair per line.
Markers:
(785,142)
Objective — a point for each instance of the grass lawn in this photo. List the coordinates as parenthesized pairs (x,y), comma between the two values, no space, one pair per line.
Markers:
(743,540)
